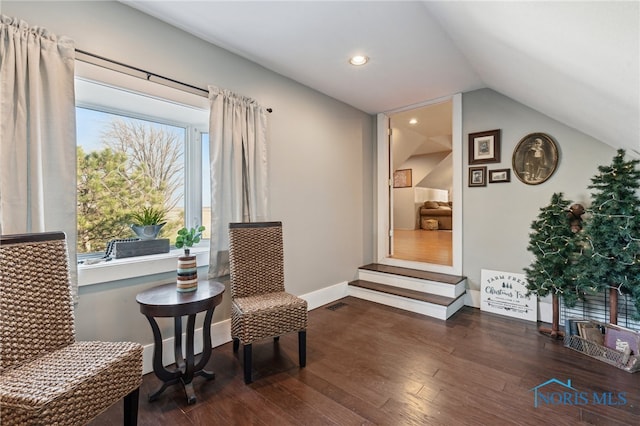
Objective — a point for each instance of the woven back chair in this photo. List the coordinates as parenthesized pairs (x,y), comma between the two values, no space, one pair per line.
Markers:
(260,306)
(46,377)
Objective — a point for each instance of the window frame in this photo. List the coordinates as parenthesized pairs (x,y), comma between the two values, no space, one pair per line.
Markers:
(129,268)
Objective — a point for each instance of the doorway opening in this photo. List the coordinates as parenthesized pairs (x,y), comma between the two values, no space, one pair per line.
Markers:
(420,186)
(422,168)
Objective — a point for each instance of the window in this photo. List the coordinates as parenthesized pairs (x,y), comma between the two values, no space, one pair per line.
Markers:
(137,150)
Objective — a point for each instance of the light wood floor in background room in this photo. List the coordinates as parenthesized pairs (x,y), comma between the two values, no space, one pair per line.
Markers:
(373,364)
(423,246)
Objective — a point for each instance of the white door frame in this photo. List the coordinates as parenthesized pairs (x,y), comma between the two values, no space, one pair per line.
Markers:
(384,183)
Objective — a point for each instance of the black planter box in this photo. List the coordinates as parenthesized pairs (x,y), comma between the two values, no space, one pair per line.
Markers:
(140,247)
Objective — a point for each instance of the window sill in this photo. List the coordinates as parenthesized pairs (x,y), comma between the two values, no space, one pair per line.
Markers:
(139,266)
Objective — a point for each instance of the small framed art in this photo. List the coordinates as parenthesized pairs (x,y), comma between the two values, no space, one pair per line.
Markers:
(402,178)
(478,176)
(499,175)
(484,147)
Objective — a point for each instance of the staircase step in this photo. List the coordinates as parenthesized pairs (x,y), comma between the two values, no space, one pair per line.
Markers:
(431,305)
(404,292)
(412,279)
(413,273)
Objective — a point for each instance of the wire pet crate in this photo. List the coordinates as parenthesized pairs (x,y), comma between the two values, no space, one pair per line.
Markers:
(596,307)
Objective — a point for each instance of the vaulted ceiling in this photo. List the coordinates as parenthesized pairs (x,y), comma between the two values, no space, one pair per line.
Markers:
(577,62)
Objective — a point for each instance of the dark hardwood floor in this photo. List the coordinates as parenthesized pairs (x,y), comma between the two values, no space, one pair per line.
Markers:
(372,364)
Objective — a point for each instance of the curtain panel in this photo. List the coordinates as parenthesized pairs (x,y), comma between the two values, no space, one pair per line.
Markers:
(37,133)
(239,174)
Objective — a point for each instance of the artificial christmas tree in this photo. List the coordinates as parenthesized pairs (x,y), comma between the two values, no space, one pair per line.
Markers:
(554,245)
(611,258)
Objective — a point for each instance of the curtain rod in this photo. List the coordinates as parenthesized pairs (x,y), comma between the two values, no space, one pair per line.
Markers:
(87,57)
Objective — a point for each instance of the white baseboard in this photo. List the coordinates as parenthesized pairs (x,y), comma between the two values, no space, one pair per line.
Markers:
(472,298)
(326,295)
(545,312)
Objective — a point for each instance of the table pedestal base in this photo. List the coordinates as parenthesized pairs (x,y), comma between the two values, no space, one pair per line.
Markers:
(186,367)
(188,387)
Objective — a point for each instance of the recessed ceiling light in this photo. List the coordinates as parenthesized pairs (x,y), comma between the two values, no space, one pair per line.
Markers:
(413,121)
(358,60)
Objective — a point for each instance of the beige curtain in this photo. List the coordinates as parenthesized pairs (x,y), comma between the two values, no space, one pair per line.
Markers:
(239,174)
(37,133)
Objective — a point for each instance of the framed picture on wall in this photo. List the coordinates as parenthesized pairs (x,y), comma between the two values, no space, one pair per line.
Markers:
(402,178)
(499,175)
(535,158)
(484,147)
(478,176)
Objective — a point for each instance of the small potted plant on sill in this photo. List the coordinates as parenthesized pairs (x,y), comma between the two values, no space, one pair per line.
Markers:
(187,279)
(148,222)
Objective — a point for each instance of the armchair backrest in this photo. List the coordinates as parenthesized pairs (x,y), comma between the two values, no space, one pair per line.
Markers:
(256,258)
(36,304)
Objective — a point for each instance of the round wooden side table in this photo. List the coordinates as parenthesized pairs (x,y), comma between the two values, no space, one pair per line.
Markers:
(166,301)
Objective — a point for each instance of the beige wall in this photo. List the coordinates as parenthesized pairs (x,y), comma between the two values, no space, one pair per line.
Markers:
(497,218)
(321,154)
(322,158)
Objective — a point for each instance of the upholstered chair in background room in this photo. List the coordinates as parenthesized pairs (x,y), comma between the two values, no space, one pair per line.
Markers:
(260,306)
(46,376)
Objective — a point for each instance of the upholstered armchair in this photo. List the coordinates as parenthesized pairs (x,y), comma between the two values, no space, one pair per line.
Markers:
(46,376)
(260,306)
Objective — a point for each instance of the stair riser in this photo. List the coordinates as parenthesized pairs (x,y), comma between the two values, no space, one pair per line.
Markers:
(425,286)
(411,305)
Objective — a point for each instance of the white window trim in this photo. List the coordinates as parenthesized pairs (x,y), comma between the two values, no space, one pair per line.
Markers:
(140,266)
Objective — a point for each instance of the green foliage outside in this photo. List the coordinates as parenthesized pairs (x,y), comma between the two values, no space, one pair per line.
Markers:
(137,173)
(611,258)
(107,195)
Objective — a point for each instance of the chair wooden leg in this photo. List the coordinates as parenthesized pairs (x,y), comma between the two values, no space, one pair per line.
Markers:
(246,350)
(276,339)
(302,347)
(131,408)
(236,344)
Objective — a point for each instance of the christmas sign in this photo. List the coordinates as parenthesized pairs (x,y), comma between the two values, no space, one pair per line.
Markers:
(504,293)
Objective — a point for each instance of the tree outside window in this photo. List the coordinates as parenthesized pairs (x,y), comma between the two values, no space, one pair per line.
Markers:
(125,164)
